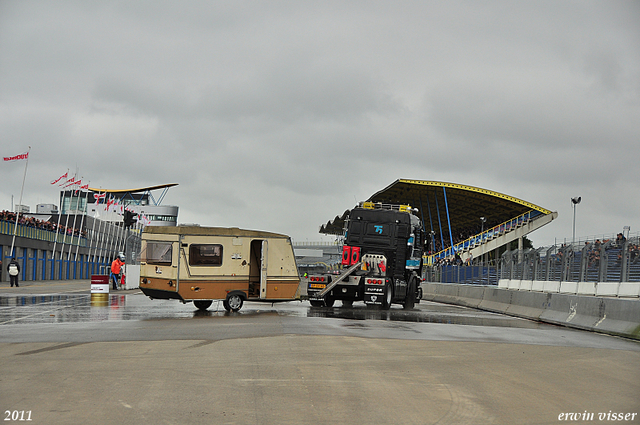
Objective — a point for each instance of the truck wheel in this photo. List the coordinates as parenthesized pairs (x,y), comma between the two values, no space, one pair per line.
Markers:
(233,302)
(316,303)
(202,304)
(410,300)
(347,303)
(328,301)
(388,296)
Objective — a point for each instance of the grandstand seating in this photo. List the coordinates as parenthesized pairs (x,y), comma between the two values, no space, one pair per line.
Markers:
(495,236)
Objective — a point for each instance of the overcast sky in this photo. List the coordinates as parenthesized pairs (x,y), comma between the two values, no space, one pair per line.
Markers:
(279,115)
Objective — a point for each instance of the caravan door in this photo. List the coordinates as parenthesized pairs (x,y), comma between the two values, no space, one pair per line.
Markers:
(263,270)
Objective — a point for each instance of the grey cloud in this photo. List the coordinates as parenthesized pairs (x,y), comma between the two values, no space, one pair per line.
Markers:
(253,107)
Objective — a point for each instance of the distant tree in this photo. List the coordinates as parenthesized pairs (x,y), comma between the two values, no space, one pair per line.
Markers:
(526,243)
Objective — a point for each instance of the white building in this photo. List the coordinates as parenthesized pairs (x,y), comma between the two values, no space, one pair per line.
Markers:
(109,204)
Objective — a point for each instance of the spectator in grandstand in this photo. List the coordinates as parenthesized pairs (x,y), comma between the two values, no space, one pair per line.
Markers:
(634,253)
(620,240)
(40,224)
(594,257)
(558,256)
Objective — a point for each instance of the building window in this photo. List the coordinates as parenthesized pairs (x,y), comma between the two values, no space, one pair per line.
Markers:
(169,218)
(205,255)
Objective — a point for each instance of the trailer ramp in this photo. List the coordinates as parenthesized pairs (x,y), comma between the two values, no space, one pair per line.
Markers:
(339,279)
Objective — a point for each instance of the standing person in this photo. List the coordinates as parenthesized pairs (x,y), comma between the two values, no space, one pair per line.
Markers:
(116,270)
(14,270)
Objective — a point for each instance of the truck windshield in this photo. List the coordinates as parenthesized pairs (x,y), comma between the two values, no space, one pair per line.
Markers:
(158,253)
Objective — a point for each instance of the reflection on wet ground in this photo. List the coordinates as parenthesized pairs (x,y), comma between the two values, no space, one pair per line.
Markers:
(67,308)
(419,315)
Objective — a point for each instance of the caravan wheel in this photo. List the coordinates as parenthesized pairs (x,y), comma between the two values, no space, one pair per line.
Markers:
(233,302)
(202,304)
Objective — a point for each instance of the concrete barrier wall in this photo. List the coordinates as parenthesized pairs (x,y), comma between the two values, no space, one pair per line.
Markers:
(615,316)
(605,289)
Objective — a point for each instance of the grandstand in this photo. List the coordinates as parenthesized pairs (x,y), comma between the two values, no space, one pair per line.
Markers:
(459,219)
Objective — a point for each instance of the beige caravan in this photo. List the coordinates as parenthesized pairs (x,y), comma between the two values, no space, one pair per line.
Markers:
(202,264)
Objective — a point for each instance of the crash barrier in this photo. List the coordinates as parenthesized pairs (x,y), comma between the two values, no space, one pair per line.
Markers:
(603,289)
(610,315)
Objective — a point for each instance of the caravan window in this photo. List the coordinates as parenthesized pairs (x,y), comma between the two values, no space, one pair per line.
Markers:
(205,255)
(158,253)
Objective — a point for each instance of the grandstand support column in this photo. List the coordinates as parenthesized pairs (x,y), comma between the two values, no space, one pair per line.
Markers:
(624,261)
(584,262)
(47,268)
(548,263)
(4,274)
(604,260)
(520,250)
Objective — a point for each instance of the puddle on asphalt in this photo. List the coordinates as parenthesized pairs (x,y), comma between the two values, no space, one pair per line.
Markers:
(481,318)
(67,308)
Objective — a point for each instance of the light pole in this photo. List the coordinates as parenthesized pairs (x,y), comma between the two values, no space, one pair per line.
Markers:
(574,202)
(482,220)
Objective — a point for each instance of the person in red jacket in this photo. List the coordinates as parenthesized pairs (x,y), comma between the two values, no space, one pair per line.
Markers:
(116,270)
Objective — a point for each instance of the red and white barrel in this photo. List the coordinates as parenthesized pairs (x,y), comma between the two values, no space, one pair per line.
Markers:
(99,290)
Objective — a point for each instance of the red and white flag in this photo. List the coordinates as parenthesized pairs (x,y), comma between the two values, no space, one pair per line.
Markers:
(72,182)
(69,182)
(143,219)
(16,157)
(64,176)
(98,196)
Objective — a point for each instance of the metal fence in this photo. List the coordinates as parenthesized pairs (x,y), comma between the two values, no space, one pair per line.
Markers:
(470,274)
(609,261)
(585,261)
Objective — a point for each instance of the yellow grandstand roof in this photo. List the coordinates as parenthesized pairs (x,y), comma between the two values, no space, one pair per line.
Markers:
(465,205)
(142,189)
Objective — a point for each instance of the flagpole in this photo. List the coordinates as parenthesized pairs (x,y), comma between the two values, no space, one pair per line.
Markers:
(57,232)
(66,221)
(75,216)
(93,235)
(114,237)
(99,237)
(15,228)
(82,219)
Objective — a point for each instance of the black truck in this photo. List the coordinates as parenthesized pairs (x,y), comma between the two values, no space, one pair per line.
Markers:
(381,260)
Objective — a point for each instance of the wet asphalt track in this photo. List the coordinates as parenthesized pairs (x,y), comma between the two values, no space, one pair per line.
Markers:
(138,360)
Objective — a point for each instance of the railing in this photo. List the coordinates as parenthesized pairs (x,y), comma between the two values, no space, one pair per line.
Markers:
(593,261)
(477,274)
(485,236)
(315,243)
(7,228)
(36,266)
(586,261)
(65,263)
